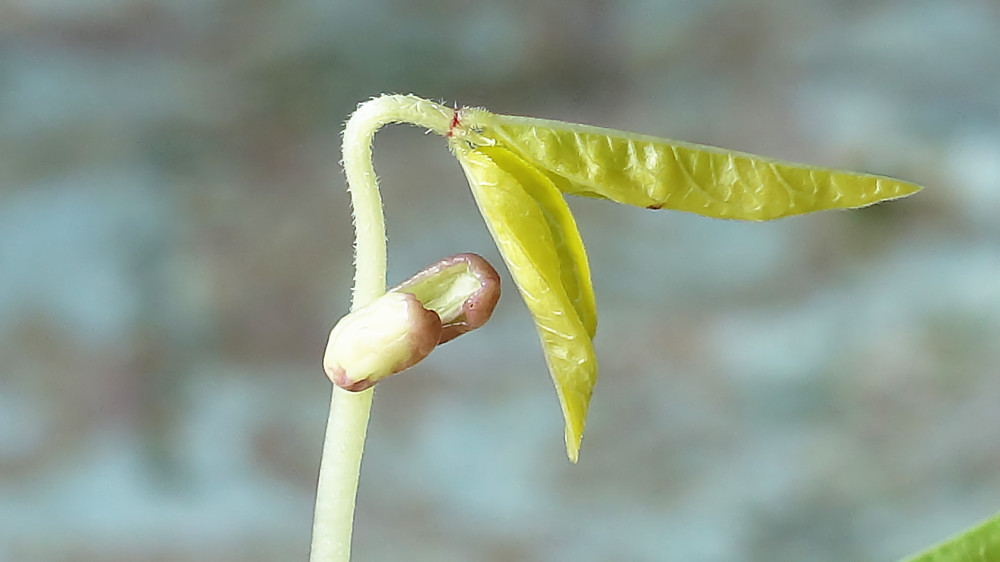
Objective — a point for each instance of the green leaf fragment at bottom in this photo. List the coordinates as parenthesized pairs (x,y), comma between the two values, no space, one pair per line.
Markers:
(981,543)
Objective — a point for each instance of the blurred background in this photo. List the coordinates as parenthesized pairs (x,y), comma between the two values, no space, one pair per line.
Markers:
(175,243)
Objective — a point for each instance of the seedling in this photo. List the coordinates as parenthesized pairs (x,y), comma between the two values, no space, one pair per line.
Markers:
(519,169)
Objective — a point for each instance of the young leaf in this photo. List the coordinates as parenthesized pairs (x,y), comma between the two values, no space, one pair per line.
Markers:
(517,167)
(539,241)
(665,174)
(573,265)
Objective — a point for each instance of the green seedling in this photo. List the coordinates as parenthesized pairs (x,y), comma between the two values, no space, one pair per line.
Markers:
(519,170)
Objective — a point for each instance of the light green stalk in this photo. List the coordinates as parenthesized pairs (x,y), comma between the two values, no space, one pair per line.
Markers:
(349,411)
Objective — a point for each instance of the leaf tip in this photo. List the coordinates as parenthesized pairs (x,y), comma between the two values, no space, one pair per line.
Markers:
(573,445)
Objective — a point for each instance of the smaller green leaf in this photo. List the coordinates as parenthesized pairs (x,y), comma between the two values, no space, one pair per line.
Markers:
(538,239)
(574,268)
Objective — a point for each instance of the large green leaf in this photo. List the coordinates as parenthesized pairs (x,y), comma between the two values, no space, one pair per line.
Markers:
(666,174)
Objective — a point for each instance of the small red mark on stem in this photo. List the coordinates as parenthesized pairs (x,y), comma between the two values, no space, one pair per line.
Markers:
(455,120)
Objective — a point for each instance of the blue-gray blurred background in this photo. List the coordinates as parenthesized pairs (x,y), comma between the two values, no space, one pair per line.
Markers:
(175,243)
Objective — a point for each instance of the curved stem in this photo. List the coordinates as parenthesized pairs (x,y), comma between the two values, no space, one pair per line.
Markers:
(347,424)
